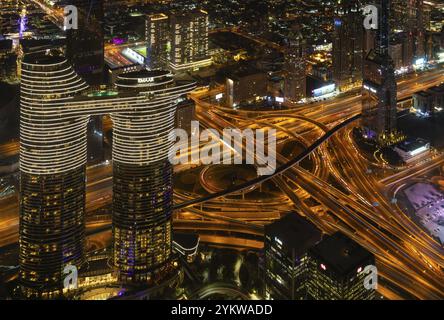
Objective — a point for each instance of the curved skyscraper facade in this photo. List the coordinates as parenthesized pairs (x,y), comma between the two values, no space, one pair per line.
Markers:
(142,192)
(52,166)
(55,108)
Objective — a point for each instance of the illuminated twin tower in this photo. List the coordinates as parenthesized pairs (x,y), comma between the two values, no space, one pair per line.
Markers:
(55,107)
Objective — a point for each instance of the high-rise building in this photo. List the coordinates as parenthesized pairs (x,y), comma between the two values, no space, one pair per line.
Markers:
(244,83)
(55,107)
(401,52)
(85,51)
(52,175)
(143,194)
(8,58)
(85,45)
(336,268)
(185,115)
(429,101)
(156,35)
(408,16)
(8,18)
(396,52)
(189,40)
(348,45)
(295,83)
(419,29)
(179,40)
(287,242)
(379,84)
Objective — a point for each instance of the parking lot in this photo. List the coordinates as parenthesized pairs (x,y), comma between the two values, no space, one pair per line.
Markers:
(428,203)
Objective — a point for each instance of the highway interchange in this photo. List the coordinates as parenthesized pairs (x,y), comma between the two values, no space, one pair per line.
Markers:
(410,262)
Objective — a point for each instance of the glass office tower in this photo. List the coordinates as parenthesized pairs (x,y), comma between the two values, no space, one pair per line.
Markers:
(379,85)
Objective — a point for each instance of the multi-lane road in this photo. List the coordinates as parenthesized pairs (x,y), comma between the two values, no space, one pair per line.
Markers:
(408,257)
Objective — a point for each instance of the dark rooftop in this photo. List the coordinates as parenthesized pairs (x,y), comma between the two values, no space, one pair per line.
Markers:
(144,73)
(295,232)
(33,45)
(341,254)
(240,70)
(231,41)
(44,57)
(423,94)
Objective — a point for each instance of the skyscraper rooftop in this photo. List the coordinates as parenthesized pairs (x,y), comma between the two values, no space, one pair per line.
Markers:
(341,254)
(294,232)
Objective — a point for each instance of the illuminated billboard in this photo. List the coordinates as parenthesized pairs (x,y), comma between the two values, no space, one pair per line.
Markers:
(324,90)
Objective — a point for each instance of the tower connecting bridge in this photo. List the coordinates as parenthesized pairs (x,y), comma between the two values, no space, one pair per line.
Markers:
(56,105)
